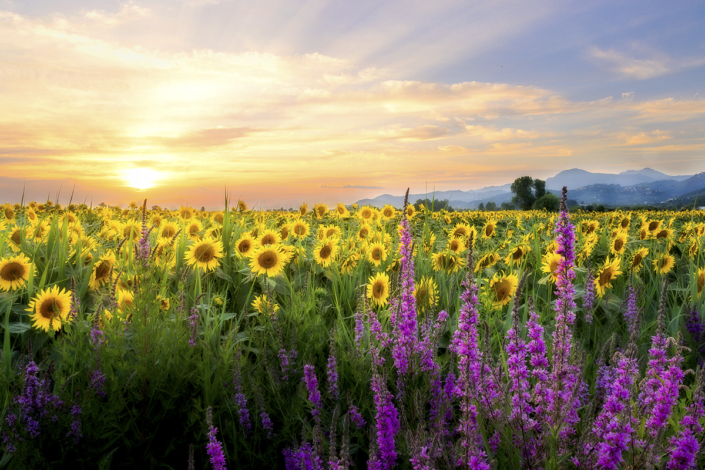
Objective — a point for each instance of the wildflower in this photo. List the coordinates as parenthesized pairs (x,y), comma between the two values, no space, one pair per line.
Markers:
(214,448)
(50,308)
(332,372)
(14,272)
(205,254)
(314,396)
(268,260)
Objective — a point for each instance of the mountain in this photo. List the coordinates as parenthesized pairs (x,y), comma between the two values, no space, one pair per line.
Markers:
(629,188)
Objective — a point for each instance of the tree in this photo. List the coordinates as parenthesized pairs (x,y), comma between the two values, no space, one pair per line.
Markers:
(539,188)
(507,206)
(481,207)
(549,201)
(491,206)
(524,197)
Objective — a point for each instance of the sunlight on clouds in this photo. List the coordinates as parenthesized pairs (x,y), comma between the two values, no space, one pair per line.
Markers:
(141,178)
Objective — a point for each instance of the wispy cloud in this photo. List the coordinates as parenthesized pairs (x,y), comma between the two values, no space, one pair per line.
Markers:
(651,64)
(351,187)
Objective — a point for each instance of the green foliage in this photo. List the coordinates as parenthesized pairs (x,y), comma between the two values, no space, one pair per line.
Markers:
(548,202)
(526,191)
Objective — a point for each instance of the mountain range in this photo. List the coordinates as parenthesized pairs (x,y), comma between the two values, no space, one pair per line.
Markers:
(629,188)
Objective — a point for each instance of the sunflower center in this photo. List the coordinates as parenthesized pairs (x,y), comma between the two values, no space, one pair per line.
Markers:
(325,252)
(102,271)
(387,213)
(653,226)
(268,239)
(625,223)
(330,231)
(701,282)
(618,244)
(244,246)
(193,229)
(606,277)
(502,290)
(554,266)
(363,233)
(204,253)
(50,308)
(12,272)
(267,260)
(517,254)
(637,260)
(168,232)
(378,290)
(299,229)
(662,234)
(422,295)
(489,229)
(376,254)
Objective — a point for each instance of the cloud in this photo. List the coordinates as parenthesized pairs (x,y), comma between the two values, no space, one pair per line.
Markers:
(655,65)
(128,12)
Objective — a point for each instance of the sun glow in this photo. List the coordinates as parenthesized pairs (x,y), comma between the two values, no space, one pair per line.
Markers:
(141,178)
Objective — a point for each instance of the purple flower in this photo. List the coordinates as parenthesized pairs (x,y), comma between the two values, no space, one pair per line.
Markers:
(303,458)
(267,424)
(332,372)
(563,402)
(75,429)
(314,396)
(359,331)
(214,449)
(97,382)
(404,322)
(240,398)
(387,423)
(589,295)
(193,326)
(356,417)
(632,308)
(694,325)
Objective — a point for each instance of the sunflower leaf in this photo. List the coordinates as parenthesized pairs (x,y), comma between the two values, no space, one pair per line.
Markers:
(18,328)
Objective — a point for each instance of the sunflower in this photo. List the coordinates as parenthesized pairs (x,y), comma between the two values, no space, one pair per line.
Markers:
(320,210)
(643,233)
(50,308)
(325,252)
(663,233)
(448,262)
(426,293)
(654,225)
(300,229)
(168,230)
(163,302)
(193,230)
(376,254)
(348,263)
(608,273)
(329,231)
(269,237)
(410,211)
(664,263)
(590,226)
(341,211)
(701,281)
(268,260)
(366,213)
(303,209)
(38,232)
(502,288)
(456,245)
(429,243)
(15,238)
(462,230)
(388,212)
(378,290)
(618,244)
(9,214)
(490,259)
(125,300)
(637,258)
(517,255)
(262,305)
(363,232)
(186,213)
(32,216)
(205,254)
(490,229)
(550,265)
(624,223)
(101,270)
(132,230)
(14,272)
(245,245)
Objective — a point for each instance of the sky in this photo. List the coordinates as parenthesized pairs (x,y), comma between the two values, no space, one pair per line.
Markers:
(279,102)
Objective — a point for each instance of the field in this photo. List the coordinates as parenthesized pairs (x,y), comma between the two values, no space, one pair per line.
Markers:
(350,338)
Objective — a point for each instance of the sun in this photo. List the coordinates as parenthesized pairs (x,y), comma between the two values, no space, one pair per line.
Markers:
(141,178)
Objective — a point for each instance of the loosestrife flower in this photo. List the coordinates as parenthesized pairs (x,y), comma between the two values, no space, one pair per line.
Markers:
(314,396)
(684,447)
(564,401)
(332,372)
(356,417)
(214,448)
(193,326)
(387,423)
(240,398)
(465,346)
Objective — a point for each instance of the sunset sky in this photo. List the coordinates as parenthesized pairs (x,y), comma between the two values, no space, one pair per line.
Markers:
(333,101)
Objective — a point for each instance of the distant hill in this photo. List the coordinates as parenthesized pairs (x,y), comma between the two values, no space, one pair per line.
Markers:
(629,188)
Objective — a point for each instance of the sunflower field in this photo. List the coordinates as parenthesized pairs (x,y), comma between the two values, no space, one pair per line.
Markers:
(345,338)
